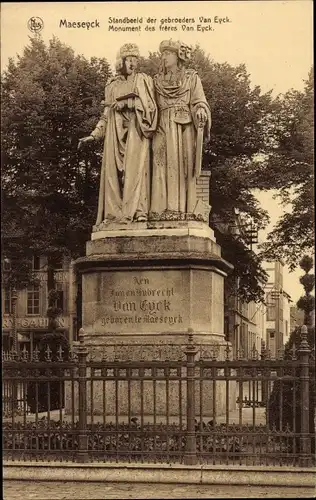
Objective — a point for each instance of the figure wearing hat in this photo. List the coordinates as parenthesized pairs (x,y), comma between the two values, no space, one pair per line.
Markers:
(126,125)
(184,115)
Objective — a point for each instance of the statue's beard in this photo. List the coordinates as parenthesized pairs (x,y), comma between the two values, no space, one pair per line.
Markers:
(171,76)
(126,73)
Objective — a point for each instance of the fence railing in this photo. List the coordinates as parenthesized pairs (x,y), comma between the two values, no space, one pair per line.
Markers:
(184,410)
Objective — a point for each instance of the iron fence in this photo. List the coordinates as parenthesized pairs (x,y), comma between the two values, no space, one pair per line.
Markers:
(186,410)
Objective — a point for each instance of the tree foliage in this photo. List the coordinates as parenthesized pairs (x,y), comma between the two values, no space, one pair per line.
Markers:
(307,301)
(50,98)
(290,169)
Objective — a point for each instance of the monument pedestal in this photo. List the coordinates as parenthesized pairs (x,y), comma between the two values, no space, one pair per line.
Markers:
(143,288)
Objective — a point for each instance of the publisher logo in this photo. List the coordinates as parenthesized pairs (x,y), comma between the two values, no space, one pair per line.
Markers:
(35,24)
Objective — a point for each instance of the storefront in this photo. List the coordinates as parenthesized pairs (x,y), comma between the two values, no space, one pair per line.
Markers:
(29,331)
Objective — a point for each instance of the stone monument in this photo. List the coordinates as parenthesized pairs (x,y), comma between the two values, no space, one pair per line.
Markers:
(152,268)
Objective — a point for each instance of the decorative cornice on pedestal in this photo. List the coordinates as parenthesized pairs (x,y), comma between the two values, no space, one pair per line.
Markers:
(157,228)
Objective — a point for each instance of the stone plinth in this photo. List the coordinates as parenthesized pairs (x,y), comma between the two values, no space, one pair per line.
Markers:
(146,285)
(153,283)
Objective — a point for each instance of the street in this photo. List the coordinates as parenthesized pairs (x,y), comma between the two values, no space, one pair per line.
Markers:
(25,490)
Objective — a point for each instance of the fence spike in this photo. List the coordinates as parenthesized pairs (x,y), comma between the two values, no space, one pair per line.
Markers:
(115,353)
(24,354)
(227,352)
(141,354)
(60,352)
(254,352)
(280,353)
(14,355)
(48,354)
(35,354)
(190,332)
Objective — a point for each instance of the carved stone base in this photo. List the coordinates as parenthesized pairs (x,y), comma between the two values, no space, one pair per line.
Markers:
(149,229)
(200,214)
(149,286)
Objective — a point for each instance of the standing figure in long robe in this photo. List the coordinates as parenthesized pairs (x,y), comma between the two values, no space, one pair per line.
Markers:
(126,125)
(182,110)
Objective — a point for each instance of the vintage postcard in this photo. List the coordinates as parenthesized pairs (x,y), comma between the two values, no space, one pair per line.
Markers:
(157,248)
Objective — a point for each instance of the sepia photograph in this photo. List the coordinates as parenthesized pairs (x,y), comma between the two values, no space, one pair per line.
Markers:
(157,231)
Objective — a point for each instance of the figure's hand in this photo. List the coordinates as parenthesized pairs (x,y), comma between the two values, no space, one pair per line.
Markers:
(119,105)
(83,140)
(201,116)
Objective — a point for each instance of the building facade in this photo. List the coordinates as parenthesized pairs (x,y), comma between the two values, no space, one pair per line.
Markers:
(278,304)
(32,302)
(244,326)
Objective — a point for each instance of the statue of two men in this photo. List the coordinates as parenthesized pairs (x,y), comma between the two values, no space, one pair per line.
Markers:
(153,134)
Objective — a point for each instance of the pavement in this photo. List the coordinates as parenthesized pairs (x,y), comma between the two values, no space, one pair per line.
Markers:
(28,490)
(234,417)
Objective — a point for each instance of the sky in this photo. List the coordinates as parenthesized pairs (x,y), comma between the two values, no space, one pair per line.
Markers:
(273,38)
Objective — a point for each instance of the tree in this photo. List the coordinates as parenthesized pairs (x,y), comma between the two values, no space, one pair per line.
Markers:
(50,98)
(290,169)
(307,301)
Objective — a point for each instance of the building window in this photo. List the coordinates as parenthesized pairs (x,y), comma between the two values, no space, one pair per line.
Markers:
(33,300)
(270,312)
(60,298)
(36,264)
(271,309)
(7,301)
(59,263)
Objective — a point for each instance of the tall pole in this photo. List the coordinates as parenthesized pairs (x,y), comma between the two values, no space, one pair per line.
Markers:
(190,457)
(277,324)
(14,298)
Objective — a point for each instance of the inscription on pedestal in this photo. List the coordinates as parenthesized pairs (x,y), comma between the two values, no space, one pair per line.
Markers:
(151,302)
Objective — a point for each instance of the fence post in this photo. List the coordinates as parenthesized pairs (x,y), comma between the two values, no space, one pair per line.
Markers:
(190,457)
(305,440)
(82,455)
(264,381)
